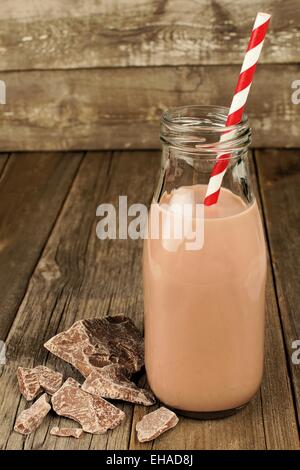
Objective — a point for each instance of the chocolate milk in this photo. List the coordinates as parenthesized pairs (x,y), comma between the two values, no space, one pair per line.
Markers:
(204,310)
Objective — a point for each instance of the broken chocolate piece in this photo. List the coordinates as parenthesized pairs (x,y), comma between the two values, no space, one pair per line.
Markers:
(28,383)
(91,344)
(94,414)
(154,424)
(29,420)
(49,379)
(33,381)
(66,432)
(112,382)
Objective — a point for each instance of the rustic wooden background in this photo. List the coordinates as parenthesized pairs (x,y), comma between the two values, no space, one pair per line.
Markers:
(98,74)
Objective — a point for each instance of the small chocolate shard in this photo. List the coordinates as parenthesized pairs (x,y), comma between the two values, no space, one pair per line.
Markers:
(92,344)
(29,420)
(94,414)
(34,381)
(156,423)
(28,383)
(66,432)
(49,379)
(112,382)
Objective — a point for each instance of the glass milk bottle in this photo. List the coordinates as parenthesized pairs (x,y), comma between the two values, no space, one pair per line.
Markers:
(204,297)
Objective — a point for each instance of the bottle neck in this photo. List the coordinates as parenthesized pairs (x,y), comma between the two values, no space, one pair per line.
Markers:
(193,138)
(202,131)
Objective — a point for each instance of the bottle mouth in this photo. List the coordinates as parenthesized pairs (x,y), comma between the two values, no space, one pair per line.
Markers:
(202,130)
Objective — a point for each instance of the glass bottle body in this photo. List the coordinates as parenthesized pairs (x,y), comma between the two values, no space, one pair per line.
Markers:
(204,286)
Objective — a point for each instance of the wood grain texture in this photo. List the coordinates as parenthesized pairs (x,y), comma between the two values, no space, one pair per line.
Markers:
(3,162)
(32,191)
(121,108)
(95,33)
(78,277)
(268,421)
(279,172)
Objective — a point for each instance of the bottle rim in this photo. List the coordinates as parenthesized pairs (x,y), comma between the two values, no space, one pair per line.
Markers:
(201,129)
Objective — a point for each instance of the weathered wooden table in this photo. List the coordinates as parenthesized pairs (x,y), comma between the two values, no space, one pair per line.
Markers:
(54,270)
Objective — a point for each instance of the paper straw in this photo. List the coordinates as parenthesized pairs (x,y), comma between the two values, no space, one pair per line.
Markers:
(239,101)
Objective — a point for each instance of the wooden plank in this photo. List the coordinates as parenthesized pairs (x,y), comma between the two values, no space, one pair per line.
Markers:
(79,276)
(32,190)
(267,422)
(55,34)
(280,186)
(3,162)
(105,109)
(275,394)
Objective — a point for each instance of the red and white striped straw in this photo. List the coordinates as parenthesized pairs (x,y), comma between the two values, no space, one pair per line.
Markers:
(239,101)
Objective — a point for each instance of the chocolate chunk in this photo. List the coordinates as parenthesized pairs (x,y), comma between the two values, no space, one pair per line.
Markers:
(154,424)
(33,381)
(91,344)
(66,432)
(49,379)
(94,414)
(28,383)
(112,382)
(29,420)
